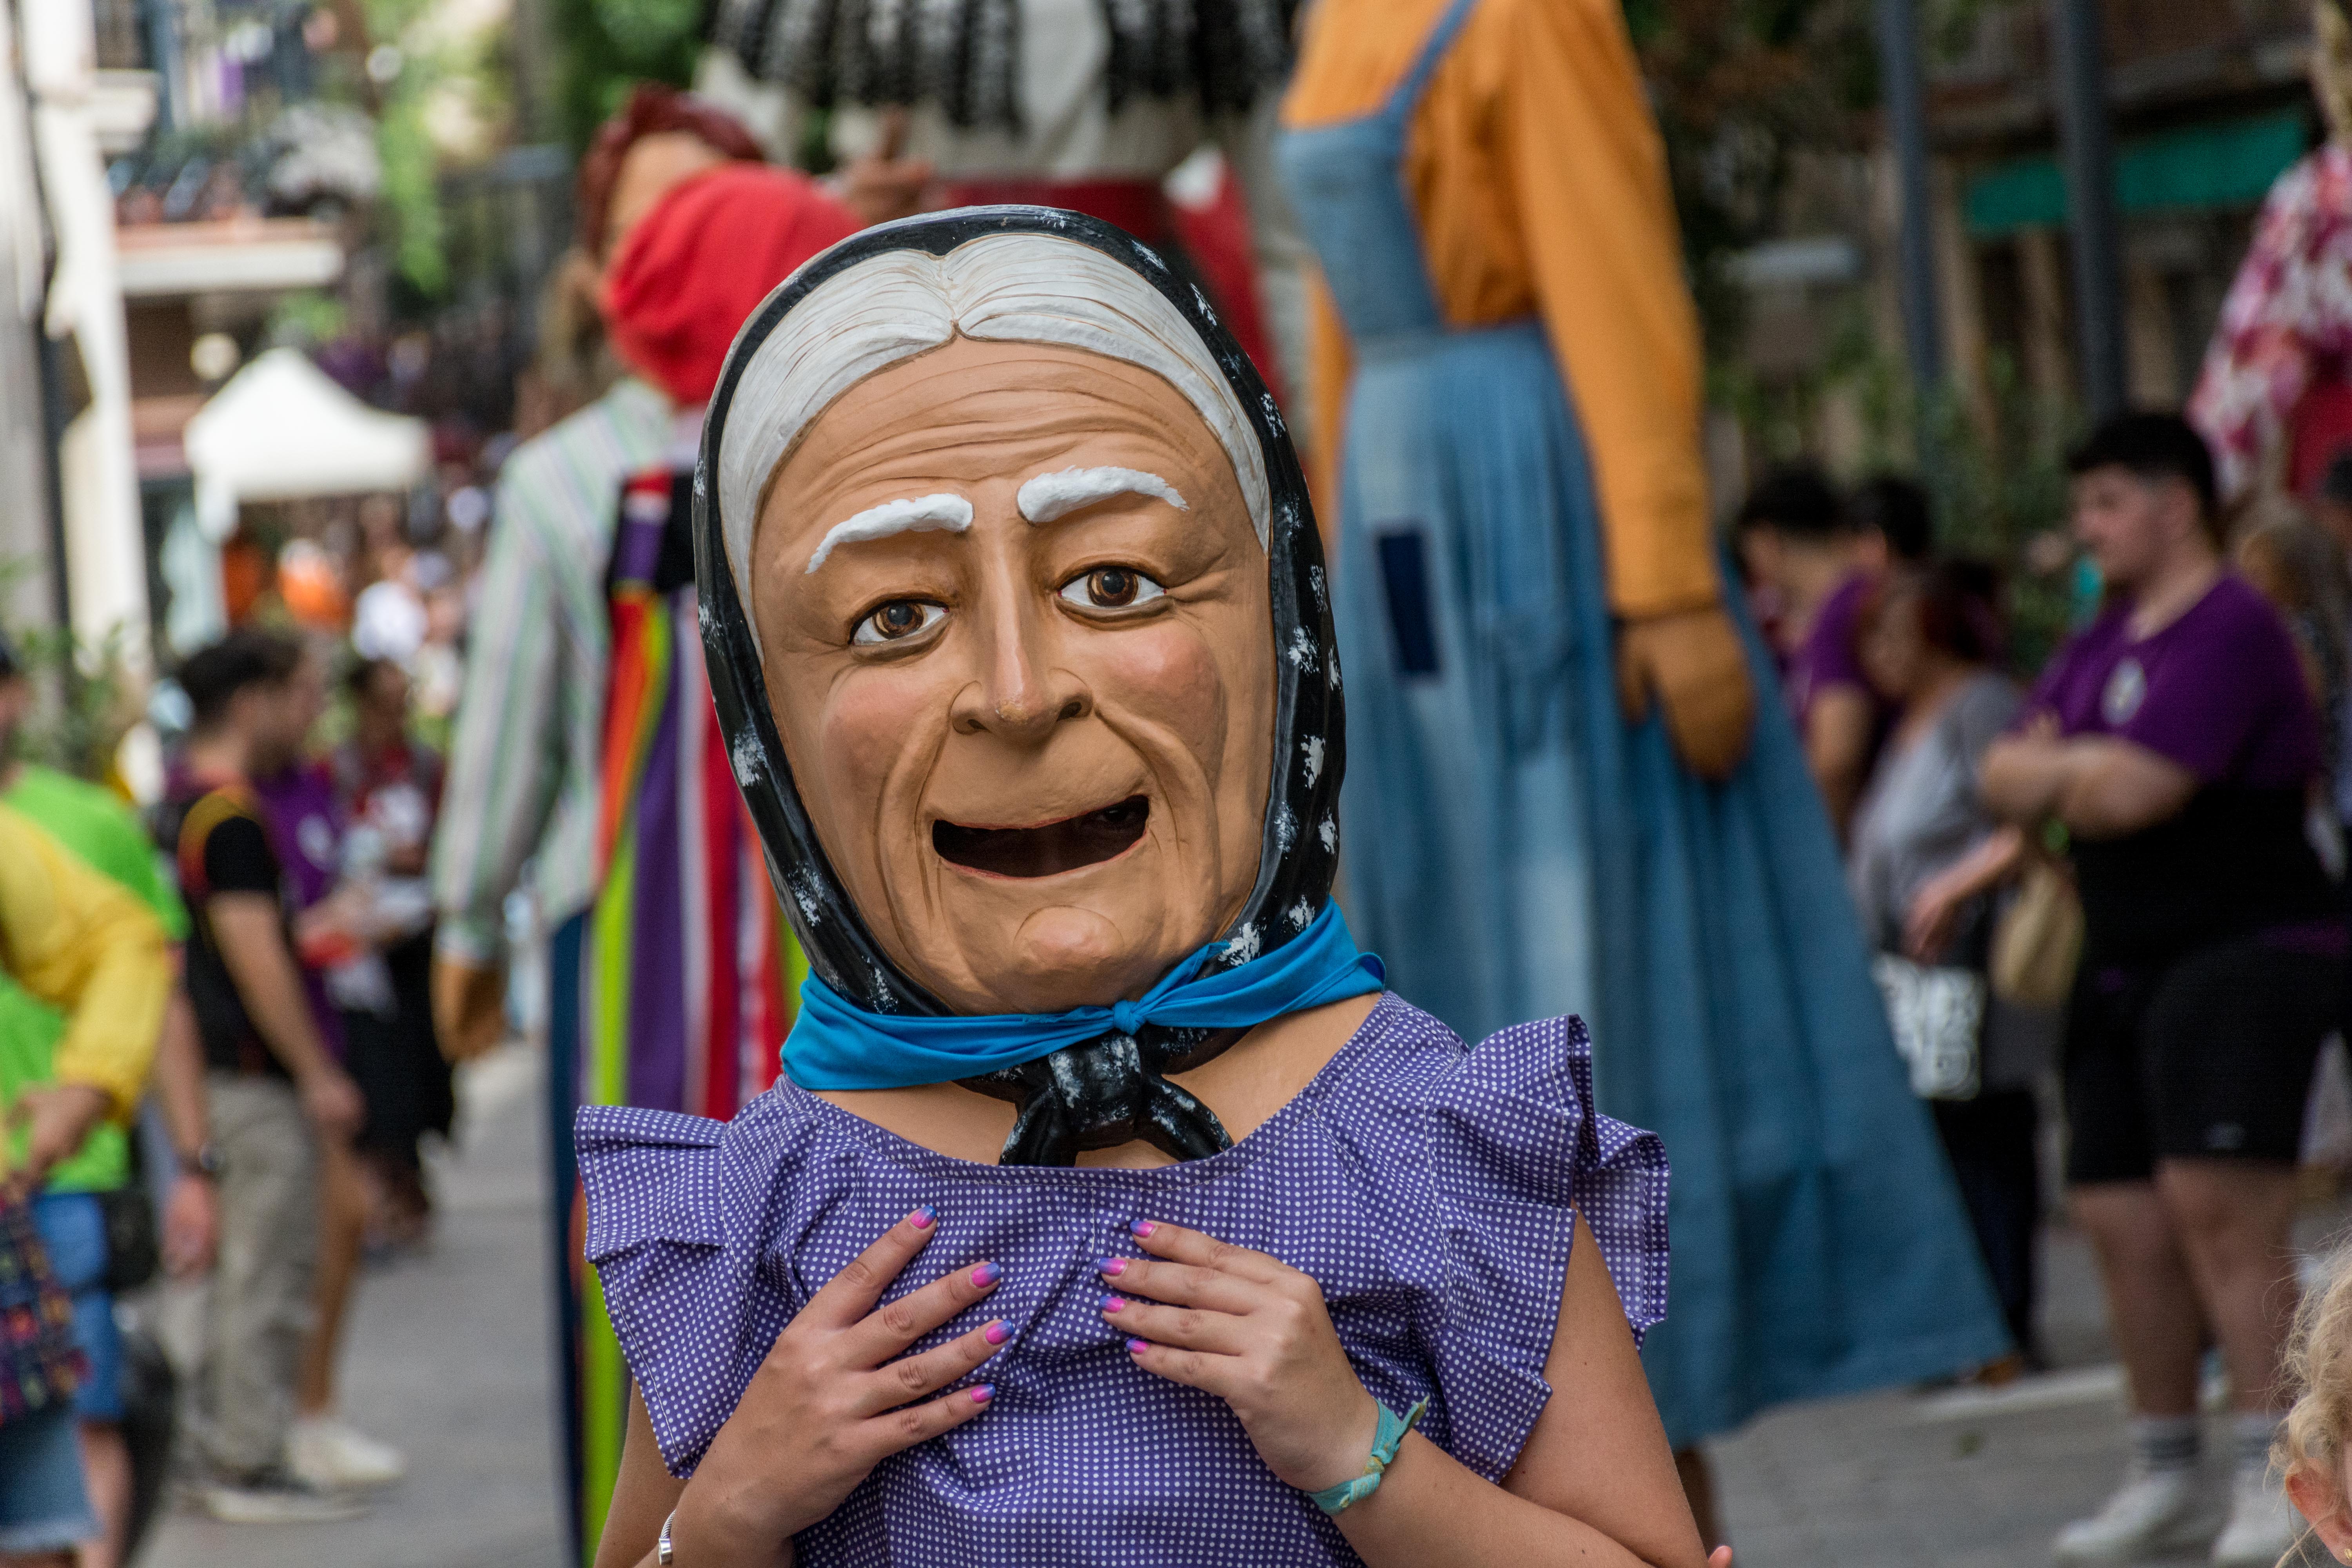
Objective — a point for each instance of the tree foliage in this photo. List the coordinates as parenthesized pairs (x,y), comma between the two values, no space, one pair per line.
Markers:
(609,46)
(1740,88)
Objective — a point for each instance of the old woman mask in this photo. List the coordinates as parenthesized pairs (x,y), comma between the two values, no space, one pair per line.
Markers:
(1019,631)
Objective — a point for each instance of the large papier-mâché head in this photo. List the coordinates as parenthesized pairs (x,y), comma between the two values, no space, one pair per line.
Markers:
(1019,630)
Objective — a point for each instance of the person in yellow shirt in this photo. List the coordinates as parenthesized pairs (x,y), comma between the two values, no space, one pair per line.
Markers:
(74,940)
(1564,796)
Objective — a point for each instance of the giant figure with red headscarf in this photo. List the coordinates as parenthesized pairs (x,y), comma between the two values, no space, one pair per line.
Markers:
(585,745)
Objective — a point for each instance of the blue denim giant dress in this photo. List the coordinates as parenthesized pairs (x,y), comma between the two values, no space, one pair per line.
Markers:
(1515,850)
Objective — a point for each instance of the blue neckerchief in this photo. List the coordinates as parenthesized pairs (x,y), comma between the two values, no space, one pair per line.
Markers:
(837,1044)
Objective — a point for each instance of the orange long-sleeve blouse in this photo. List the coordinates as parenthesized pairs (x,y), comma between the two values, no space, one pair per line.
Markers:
(1539,179)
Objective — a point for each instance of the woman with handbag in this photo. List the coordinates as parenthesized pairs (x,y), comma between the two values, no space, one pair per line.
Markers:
(1929,865)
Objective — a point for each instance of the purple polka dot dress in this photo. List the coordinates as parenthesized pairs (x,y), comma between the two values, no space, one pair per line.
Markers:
(1430,1188)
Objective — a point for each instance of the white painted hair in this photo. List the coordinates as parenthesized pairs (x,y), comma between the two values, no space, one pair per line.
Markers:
(1000,287)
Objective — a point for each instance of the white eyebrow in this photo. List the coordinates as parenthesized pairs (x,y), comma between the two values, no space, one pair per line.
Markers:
(951,513)
(1050,497)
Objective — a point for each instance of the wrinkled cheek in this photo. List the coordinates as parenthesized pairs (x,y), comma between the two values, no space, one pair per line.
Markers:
(870,745)
(1170,678)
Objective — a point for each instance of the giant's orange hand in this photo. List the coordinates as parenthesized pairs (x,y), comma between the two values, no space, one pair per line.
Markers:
(468,1006)
(1691,662)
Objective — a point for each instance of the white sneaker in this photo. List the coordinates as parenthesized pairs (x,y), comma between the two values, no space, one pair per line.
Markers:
(2262,1524)
(324,1453)
(276,1501)
(2147,1512)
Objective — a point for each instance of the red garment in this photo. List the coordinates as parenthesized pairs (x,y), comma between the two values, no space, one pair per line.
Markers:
(653,109)
(2320,431)
(2278,367)
(697,265)
(396,792)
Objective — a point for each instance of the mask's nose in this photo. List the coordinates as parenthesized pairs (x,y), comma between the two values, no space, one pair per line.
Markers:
(1021,691)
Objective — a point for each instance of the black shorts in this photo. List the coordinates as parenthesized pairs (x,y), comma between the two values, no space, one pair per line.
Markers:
(2207,1058)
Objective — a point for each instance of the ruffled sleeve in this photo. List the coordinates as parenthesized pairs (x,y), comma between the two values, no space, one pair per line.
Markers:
(1517,1152)
(692,1310)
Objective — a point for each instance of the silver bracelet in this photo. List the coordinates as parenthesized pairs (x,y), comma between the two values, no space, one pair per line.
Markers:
(664,1552)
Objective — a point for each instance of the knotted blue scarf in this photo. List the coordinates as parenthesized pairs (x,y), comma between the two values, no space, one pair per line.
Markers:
(834,1044)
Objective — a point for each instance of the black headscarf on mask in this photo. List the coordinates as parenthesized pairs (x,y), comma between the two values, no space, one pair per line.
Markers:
(1113,1089)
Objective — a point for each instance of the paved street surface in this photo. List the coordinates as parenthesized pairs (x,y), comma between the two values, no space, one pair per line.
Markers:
(1963,1480)
(447,1358)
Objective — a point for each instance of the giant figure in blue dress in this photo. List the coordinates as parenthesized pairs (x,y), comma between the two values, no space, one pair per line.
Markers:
(1565,797)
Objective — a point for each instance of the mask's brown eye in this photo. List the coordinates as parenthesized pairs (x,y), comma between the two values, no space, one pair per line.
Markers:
(897,619)
(1111,588)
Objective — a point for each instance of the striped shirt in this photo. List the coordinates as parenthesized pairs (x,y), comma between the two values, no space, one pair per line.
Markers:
(524,756)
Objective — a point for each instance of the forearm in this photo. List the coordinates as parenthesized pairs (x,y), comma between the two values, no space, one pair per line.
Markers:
(784,1560)
(267,982)
(1840,783)
(180,1077)
(282,1015)
(2115,787)
(619,1549)
(110,1043)
(1575,136)
(503,770)
(2021,780)
(1837,748)
(1989,865)
(2090,807)
(1432,1509)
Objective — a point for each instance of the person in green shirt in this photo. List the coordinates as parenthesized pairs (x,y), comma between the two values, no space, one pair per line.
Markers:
(47,1137)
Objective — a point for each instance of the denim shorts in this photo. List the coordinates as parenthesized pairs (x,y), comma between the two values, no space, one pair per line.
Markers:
(43,1507)
(73,1227)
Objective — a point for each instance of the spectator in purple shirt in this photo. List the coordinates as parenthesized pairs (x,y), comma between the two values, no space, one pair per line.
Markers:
(1806,546)
(2175,740)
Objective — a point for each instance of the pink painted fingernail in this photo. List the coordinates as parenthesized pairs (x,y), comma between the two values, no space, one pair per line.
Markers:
(984,1393)
(1136,1347)
(1143,1228)
(1112,1265)
(922,1217)
(1112,1303)
(986,1275)
(998,1333)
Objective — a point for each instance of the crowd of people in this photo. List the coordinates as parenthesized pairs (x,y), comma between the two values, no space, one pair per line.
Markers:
(2181,758)
(294,1073)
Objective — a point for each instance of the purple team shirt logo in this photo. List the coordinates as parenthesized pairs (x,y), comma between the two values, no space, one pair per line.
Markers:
(2219,691)
(2125,689)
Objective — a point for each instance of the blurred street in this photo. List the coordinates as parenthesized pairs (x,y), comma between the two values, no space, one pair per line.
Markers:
(1959,1479)
(447,1359)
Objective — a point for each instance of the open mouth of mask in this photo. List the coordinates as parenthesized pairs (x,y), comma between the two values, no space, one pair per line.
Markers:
(1046,850)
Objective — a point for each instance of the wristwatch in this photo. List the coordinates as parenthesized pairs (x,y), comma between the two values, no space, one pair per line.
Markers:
(664,1552)
(206,1162)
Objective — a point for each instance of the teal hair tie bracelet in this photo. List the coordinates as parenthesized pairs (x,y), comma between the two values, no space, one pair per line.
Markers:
(1386,1439)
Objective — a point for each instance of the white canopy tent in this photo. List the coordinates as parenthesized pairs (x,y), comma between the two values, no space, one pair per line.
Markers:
(280,429)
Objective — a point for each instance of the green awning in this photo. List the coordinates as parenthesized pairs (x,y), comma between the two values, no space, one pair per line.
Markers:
(2227,164)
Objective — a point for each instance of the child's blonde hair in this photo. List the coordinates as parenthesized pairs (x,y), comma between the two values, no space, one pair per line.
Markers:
(2317,1367)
